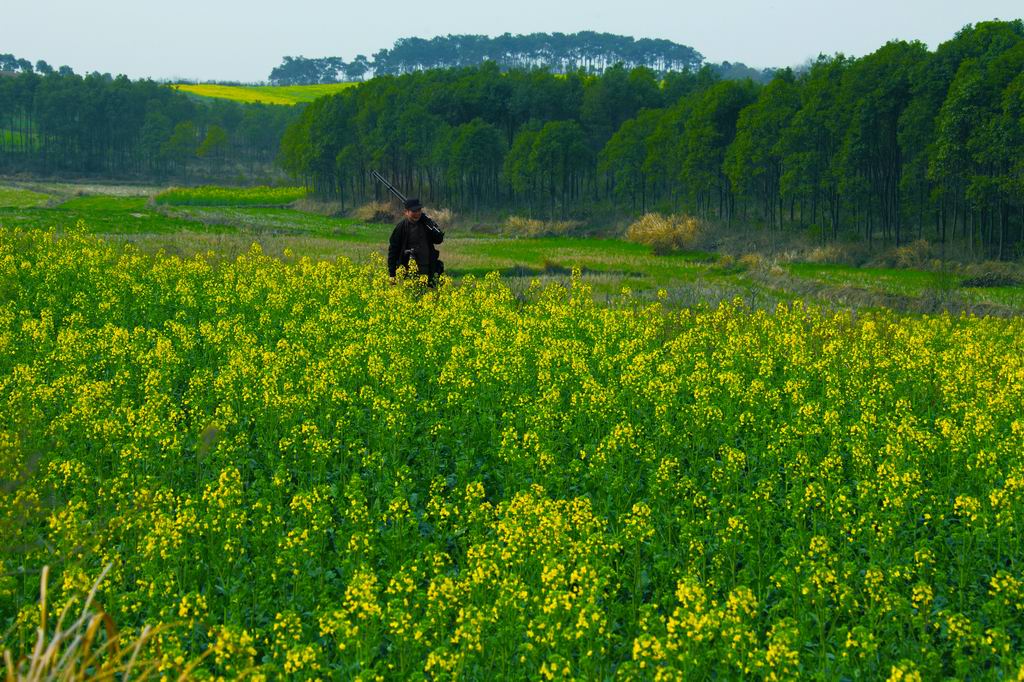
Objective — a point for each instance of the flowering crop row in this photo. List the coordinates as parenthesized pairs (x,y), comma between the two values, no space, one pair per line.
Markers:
(304,471)
(210,195)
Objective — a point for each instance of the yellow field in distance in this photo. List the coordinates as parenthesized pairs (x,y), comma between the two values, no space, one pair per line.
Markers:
(268,94)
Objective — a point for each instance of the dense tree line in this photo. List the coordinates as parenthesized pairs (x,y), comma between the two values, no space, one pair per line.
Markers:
(458,134)
(896,145)
(314,71)
(57,121)
(562,53)
(738,71)
(12,64)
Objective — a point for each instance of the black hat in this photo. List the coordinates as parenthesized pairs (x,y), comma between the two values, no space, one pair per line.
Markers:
(412,204)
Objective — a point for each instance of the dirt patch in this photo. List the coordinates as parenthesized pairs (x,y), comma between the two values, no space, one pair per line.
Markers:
(556,269)
(63,190)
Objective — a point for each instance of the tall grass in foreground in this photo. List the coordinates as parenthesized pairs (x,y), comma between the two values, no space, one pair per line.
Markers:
(88,647)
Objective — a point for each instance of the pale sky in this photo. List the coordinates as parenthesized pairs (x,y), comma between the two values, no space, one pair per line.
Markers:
(233,40)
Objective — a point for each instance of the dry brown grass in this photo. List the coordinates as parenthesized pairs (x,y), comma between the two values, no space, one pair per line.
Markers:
(992,274)
(87,648)
(532,227)
(387,212)
(751,261)
(664,234)
(376,212)
(745,263)
(916,254)
(830,254)
(444,217)
(324,208)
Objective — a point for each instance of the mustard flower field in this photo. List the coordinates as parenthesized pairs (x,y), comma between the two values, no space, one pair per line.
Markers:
(268,94)
(303,472)
(209,195)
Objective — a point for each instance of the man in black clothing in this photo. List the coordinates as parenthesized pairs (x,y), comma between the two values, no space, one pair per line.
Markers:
(414,238)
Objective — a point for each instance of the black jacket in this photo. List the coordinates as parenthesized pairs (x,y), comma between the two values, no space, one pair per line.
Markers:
(403,241)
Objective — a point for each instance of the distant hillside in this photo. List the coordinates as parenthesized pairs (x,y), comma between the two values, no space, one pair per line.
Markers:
(560,52)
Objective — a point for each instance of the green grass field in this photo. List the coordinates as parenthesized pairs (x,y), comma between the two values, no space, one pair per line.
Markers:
(107,215)
(12,197)
(186,221)
(267,94)
(892,280)
(104,203)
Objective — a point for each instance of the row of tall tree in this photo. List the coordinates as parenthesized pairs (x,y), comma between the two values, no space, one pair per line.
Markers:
(586,51)
(99,125)
(319,70)
(898,144)
(449,132)
(12,64)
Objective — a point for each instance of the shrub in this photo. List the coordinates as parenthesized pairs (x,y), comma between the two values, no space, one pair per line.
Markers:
(444,217)
(532,227)
(376,212)
(913,255)
(991,274)
(664,234)
(750,261)
(825,254)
